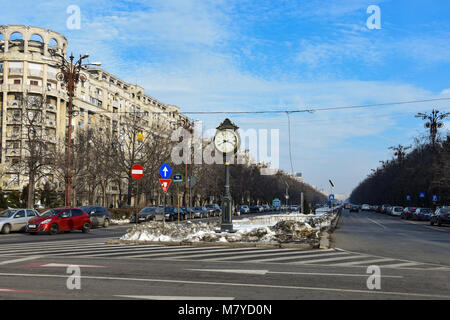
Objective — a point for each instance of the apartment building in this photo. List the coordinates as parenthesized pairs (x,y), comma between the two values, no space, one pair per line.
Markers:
(27,68)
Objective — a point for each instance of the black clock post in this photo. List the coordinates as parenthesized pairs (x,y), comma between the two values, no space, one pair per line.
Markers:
(227,213)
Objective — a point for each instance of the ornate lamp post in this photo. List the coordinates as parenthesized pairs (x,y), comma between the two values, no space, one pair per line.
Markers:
(227,142)
(71,75)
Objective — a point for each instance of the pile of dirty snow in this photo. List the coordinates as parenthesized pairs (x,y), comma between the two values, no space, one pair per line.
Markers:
(286,228)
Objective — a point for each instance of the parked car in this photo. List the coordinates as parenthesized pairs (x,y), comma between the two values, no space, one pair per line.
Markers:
(58,220)
(384,208)
(440,216)
(256,209)
(244,209)
(396,211)
(365,207)
(172,213)
(213,210)
(389,210)
(378,209)
(422,214)
(347,206)
(146,214)
(408,213)
(100,216)
(266,208)
(200,212)
(16,219)
(354,208)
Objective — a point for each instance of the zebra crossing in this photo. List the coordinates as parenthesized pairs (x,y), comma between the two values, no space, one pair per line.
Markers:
(97,248)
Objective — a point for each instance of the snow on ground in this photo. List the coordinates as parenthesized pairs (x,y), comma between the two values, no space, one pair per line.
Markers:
(277,228)
(119,221)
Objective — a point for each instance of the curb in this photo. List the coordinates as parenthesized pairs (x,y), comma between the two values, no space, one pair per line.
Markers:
(300,246)
(326,235)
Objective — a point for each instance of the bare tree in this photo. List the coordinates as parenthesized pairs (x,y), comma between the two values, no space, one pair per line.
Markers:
(34,147)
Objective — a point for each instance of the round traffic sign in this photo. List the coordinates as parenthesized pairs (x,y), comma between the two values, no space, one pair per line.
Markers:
(137,171)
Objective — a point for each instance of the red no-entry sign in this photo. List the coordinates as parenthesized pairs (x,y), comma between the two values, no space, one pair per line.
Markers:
(137,171)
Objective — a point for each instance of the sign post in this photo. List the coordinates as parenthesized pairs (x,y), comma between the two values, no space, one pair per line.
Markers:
(178,177)
(137,172)
(165,173)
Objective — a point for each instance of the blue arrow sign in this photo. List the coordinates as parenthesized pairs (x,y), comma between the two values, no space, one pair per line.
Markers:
(408,198)
(435,197)
(331,197)
(422,195)
(276,202)
(165,171)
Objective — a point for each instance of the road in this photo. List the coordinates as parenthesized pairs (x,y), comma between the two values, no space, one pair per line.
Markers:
(36,266)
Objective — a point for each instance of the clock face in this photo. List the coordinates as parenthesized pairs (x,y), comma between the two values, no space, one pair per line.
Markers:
(226,141)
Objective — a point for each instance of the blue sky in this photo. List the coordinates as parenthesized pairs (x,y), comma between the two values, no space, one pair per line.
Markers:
(268,55)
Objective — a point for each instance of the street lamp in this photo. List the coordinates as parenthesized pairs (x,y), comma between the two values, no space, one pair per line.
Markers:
(226,141)
(70,74)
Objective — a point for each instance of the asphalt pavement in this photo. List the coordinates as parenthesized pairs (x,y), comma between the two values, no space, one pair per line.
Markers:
(36,267)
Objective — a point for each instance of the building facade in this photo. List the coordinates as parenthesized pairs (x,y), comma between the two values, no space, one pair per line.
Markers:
(27,68)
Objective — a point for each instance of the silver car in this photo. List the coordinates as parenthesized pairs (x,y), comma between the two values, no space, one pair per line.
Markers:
(15,219)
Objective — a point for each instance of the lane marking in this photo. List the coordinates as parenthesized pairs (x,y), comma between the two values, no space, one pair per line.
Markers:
(300,257)
(233,284)
(62,265)
(330,259)
(19,260)
(264,272)
(346,264)
(399,265)
(377,223)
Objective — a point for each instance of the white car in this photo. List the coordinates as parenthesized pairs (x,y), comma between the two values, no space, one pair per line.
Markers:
(365,207)
(244,209)
(15,219)
(396,211)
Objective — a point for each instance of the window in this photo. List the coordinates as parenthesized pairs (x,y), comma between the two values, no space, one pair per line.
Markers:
(20,214)
(17,81)
(77,213)
(31,213)
(34,82)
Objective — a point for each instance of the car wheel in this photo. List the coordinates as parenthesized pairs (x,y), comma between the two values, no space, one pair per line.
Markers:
(53,229)
(106,223)
(439,223)
(6,229)
(86,228)
(431,222)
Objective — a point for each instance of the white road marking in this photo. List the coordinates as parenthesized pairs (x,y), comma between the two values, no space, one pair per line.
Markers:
(264,272)
(175,298)
(330,259)
(65,265)
(19,260)
(353,263)
(377,223)
(404,264)
(297,256)
(239,271)
(234,284)
(207,253)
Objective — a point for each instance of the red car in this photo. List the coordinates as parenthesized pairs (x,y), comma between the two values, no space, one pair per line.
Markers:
(57,220)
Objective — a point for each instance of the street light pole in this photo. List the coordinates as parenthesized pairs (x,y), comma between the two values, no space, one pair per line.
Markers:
(71,75)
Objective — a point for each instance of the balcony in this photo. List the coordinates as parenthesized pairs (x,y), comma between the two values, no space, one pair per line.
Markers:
(35,73)
(15,70)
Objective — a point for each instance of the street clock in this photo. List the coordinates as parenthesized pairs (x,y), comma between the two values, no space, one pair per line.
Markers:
(226,139)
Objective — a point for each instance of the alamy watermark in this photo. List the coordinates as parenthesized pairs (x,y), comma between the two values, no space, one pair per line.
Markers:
(74,280)
(374,21)
(374,280)
(73,22)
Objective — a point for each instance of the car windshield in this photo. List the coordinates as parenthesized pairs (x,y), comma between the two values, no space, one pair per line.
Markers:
(426,210)
(147,210)
(7,213)
(51,213)
(445,210)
